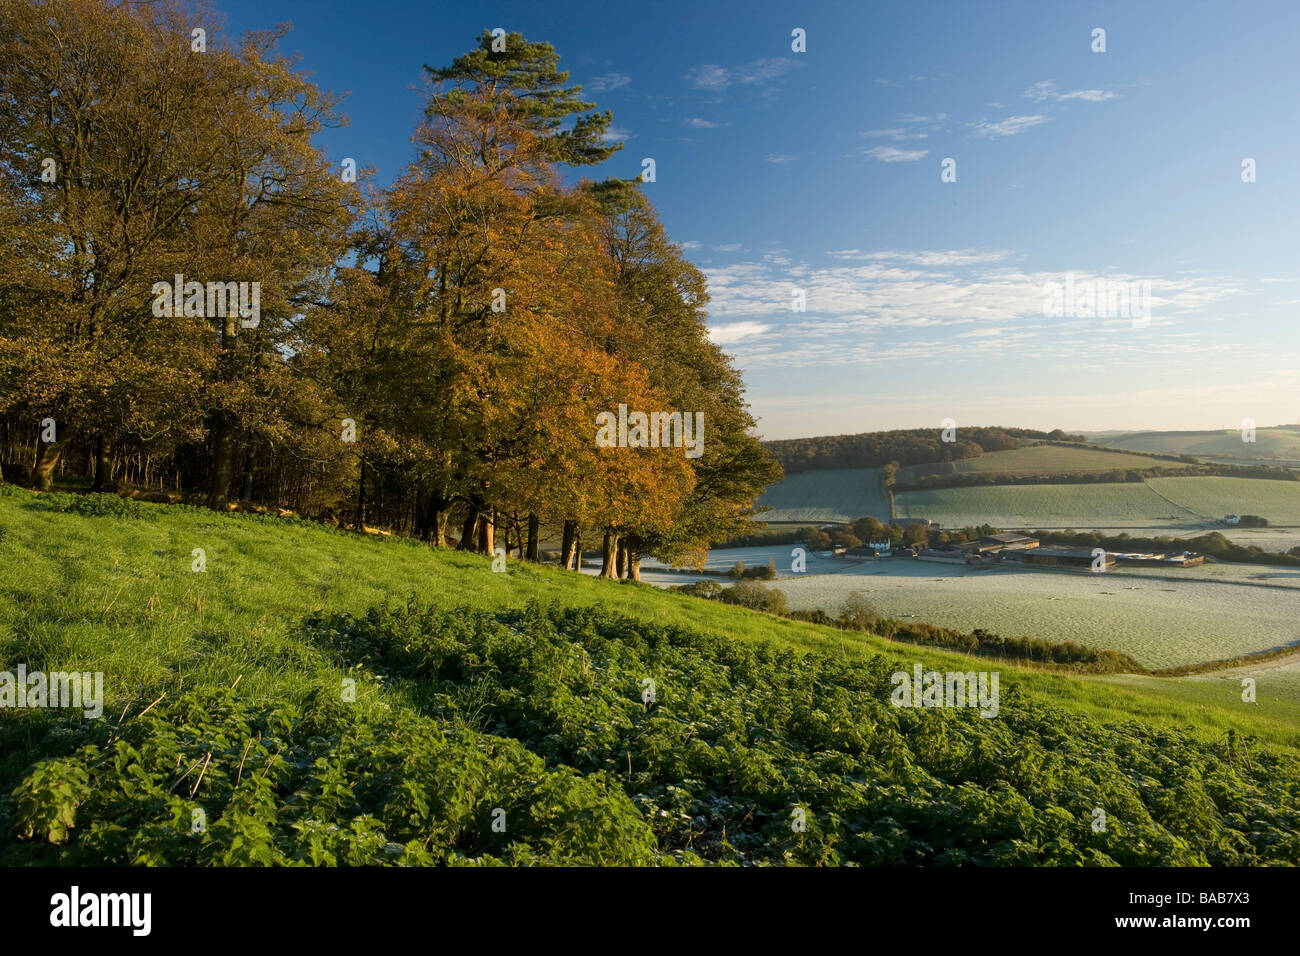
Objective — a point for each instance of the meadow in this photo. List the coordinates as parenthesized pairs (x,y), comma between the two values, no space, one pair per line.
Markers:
(840,494)
(1268,443)
(1082,507)
(522,691)
(1042,459)
(1162,621)
(1214,497)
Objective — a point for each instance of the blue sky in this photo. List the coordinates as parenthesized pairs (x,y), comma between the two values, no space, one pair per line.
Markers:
(821,170)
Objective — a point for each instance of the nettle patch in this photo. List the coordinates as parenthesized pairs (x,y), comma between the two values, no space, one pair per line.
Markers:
(552,735)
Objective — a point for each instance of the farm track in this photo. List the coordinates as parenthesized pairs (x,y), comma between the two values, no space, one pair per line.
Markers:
(1176,504)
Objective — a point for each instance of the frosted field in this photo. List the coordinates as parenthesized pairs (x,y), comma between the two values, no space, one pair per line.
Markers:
(1161,623)
(1278,501)
(1163,617)
(1082,507)
(840,494)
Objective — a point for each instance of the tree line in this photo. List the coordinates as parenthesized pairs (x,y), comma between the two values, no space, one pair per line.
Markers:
(914,446)
(428,357)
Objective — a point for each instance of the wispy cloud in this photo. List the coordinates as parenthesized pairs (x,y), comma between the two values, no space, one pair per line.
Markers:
(727,247)
(1047,90)
(607,82)
(615,134)
(898,135)
(892,154)
(889,306)
(1007,127)
(779,159)
(736,332)
(699,123)
(718,79)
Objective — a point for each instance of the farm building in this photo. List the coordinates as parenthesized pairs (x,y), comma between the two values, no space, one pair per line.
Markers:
(1001,542)
(948,556)
(1012,542)
(1180,559)
(1067,557)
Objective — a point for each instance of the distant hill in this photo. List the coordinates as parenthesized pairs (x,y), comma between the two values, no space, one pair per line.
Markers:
(1281,442)
(915,446)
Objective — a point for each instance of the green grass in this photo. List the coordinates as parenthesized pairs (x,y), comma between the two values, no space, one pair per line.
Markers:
(472,695)
(839,494)
(1278,501)
(117,594)
(1082,506)
(1041,459)
(1269,443)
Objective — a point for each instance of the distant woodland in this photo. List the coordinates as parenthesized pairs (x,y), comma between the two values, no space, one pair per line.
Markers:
(915,446)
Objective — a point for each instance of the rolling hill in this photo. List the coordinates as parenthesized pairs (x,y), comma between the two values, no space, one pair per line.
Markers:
(1270,443)
(364,700)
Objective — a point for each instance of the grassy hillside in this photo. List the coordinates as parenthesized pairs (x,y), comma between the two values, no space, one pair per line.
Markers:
(1082,506)
(1269,443)
(839,494)
(1039,460)
(469,702)
(1278,501)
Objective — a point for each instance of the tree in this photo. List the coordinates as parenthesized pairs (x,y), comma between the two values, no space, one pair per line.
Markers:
(916,534)
(858,613)
(162,161)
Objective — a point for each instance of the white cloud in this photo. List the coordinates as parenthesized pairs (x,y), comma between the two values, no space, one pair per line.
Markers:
(607,82)
(898,135)
(780,159)
(702,123)
(615,134)
(894,306)
(690,244)
(717,79)
(892,154)
(727,247)
(929,257)
(736,332)
(1007,127)
(1047,90)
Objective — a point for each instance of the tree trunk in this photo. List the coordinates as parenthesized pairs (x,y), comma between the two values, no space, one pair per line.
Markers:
(433,520)
(47,457)
(101,464)
(534,545)
(620,559)
(634,566)
(223,440)
(568,541)
(246,489)
(468,528)
(487,533)
(223,431)
(361,498)
(577,551)
(608,554)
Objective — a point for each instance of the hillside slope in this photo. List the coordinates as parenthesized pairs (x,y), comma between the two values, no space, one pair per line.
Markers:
(469,701)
